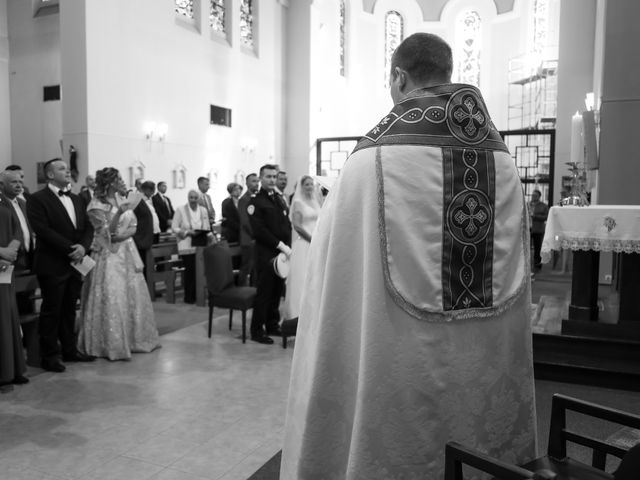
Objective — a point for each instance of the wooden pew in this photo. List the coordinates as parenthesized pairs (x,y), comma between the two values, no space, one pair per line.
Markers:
(163,266)
(29,322)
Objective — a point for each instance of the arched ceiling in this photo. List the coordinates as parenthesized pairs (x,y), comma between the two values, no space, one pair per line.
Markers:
(432,9)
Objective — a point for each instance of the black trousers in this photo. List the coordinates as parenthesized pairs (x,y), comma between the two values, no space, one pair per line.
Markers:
(189,263)
(247,268)
(60,294)
(536,241)
(266,312)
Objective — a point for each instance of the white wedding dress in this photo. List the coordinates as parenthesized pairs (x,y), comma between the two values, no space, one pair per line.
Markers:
(298,260)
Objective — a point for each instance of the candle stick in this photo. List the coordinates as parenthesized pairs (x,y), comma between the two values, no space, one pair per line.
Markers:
(577,150)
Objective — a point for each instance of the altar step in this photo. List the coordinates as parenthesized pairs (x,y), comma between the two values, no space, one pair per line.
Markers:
(610,363)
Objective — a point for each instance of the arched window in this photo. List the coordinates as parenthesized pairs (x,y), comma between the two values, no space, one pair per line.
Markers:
(468,47)
(540,25)
(393,35)
(343,15)
(246,23)
(184,8)
(216,16)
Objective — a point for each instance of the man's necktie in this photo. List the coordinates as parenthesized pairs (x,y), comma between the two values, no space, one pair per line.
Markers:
(64,192)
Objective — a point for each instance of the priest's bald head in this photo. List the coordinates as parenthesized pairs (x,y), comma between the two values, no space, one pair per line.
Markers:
(421,60)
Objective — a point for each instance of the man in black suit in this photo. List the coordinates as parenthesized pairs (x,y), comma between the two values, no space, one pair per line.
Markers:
(10,189)
(230,215)
(87,193)
(148,223)
(64,235)
(269,218)
(163,207)
(247,243)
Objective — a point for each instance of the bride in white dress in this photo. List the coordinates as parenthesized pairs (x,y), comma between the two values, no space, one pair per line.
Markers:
(305,207)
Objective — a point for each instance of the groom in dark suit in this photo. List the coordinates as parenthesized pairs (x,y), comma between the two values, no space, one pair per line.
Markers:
(64,235)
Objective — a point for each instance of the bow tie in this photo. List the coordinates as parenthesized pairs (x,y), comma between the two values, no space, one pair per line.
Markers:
(64,192)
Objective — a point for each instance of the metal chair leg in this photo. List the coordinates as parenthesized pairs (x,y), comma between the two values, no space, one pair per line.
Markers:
(244,326)
(230,317)
(210,317)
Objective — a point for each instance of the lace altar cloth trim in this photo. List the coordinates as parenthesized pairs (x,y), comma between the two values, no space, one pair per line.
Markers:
(595,244)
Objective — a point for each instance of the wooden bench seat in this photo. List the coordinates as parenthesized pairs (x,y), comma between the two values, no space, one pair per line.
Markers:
(163,265)
(28,282)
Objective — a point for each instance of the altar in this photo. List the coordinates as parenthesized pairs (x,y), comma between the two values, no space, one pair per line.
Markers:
(587,231)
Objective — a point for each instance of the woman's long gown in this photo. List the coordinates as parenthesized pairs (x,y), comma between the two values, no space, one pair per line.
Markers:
(12,362)
(298,259)
(116,315)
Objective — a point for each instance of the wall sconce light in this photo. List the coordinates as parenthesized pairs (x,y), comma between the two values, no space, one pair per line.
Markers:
(161,131)
(148,129)
(248,145)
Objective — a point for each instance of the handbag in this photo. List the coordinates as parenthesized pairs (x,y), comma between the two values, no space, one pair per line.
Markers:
(199,238)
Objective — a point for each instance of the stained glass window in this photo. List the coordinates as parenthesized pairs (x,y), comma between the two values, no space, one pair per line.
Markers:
(468,46)
(540,25)
(342,34)
(185,8)
(246,23)
(393,35)
(216,16)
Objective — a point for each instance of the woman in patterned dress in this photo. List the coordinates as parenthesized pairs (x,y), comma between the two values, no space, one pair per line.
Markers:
(116,316)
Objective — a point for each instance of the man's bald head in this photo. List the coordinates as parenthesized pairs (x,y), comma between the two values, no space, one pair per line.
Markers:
(11,183)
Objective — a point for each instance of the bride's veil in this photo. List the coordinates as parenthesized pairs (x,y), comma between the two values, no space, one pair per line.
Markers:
(299,197)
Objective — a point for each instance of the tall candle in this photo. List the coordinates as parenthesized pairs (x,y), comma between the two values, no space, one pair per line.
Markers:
(577,150)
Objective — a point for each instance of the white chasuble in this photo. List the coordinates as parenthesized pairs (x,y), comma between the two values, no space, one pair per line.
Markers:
(414,327)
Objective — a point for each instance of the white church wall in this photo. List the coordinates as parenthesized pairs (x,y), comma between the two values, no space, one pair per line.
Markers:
(5,118)
(154,68)
(34,62)
(143,64)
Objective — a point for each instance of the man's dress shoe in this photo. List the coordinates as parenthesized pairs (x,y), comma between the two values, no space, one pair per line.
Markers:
(53,366)
(78,357)
(20,380)
(263,339)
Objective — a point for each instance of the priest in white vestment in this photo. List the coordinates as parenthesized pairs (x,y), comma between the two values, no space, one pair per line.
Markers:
(415,322)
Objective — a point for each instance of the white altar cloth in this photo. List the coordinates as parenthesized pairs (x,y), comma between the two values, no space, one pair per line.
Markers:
(601,228)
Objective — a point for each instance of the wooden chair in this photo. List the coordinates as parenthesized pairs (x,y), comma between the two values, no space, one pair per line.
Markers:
(457,455)
(162,266)
(221,288)
(28,282)
(556,459)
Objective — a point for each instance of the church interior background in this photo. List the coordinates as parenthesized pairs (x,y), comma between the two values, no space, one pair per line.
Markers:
(177,89)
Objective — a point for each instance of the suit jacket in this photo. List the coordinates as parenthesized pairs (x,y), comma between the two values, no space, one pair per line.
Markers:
(144,231)
(85,195)
(25,258)
(205,201)
(164,210)
(230,220)
(246,232)
(56,232)
(270,223)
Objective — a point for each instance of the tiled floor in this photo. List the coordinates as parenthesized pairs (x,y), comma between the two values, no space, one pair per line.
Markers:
(197,408)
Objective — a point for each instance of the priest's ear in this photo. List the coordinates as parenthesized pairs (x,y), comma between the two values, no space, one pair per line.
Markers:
(400,76)
(398,85)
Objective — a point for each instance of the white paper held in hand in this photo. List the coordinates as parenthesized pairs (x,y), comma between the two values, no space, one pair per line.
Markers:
(5,275)
(84,266)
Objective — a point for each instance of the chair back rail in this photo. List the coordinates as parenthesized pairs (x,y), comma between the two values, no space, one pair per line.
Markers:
(559,435)
(456,455)
(25,283)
